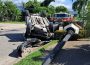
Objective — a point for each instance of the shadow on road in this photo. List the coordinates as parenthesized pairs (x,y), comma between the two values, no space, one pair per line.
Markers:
(14,37)
(74,56)
(14,54)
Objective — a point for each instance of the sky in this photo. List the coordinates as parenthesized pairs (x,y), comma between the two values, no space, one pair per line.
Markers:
(66,3)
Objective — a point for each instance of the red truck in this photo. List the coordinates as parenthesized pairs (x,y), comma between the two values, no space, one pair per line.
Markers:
(61,17)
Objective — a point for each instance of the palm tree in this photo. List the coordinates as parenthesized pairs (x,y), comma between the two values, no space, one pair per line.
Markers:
(46,2)
(79,5)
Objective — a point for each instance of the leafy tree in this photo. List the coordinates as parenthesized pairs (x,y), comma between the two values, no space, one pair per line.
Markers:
(87,20)
(51,9)
(88,9)
(61,9)
(9,11)
(1,10)
(12,11)
(35,7)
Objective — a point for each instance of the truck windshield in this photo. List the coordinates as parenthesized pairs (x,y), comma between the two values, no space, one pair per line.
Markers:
(62,15)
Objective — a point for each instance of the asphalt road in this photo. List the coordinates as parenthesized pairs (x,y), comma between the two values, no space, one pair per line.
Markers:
(9,40)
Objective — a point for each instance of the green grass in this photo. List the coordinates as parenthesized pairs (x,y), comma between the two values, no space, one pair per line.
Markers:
(13,22)
(50,43)
(34,58)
